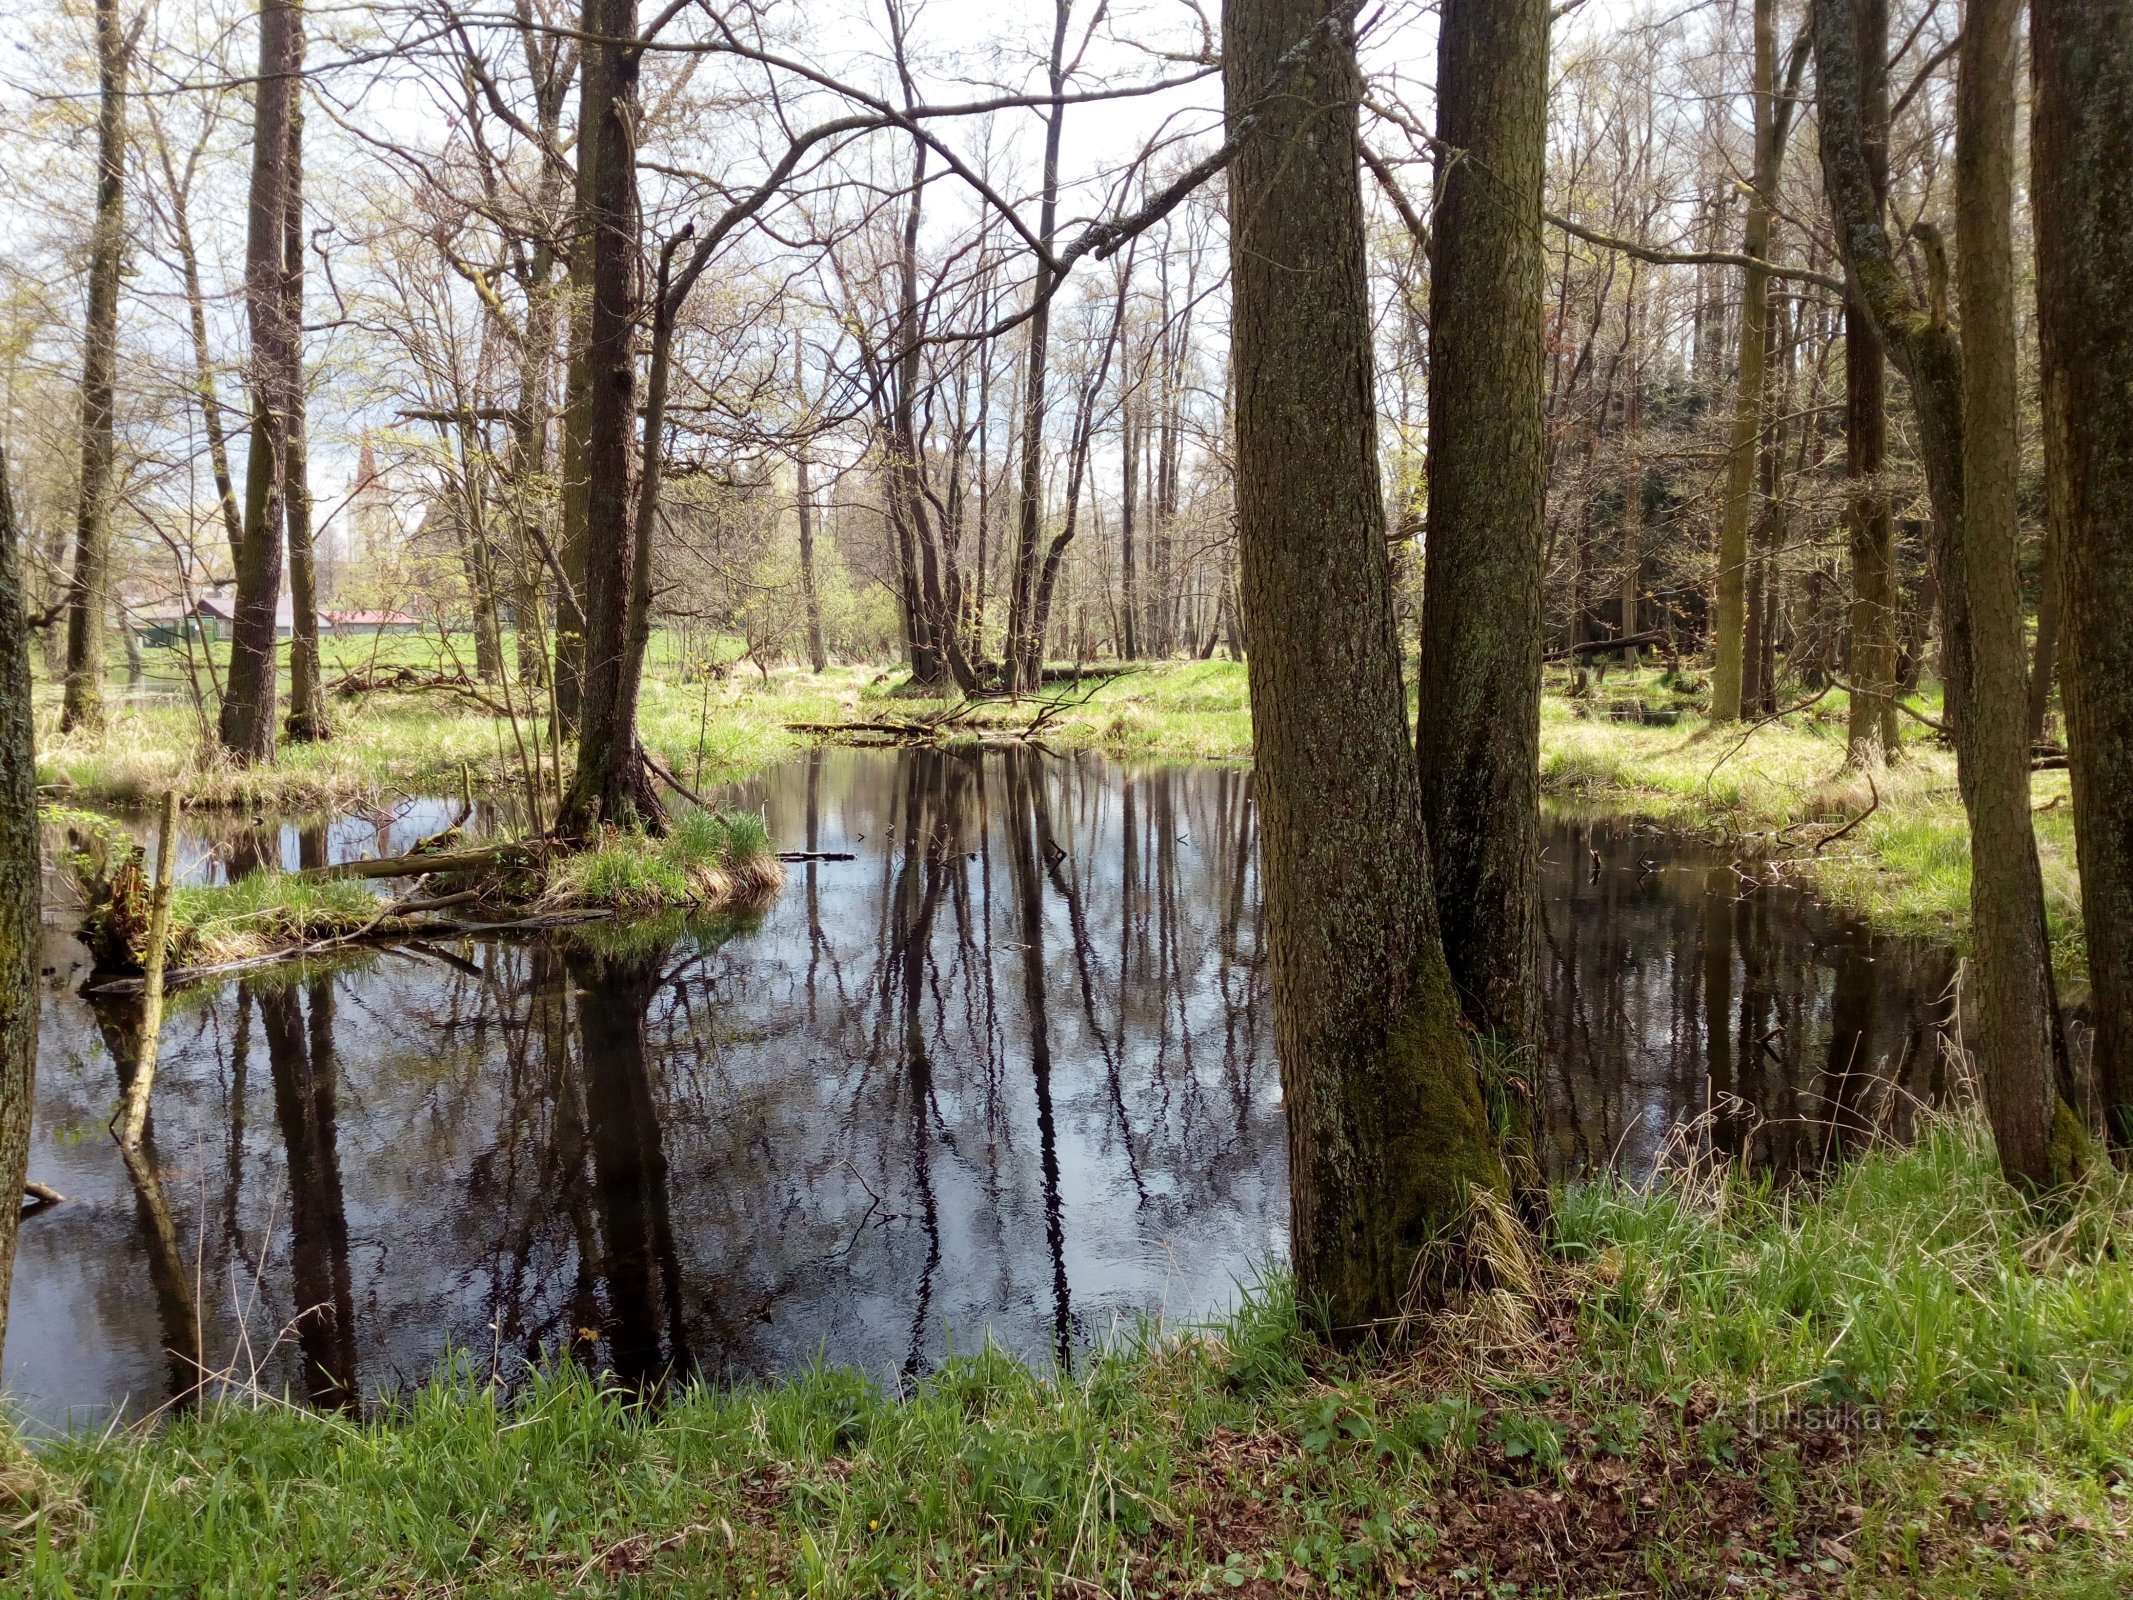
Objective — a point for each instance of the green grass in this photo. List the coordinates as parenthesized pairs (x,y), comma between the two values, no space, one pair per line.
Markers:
(264,910)
(1901,1383)
(704,858)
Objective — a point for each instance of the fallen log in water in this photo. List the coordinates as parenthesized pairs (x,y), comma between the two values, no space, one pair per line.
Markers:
(409,866)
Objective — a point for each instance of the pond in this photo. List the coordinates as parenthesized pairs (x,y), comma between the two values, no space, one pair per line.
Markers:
(1007,1074)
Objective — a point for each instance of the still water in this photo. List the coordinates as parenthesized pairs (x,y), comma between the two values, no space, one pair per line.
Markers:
(1006,1074)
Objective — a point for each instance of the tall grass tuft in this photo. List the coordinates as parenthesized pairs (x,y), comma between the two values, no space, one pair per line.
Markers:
(705,858)
(1914,1280)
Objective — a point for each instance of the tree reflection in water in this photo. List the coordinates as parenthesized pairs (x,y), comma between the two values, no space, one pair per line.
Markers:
(1003,1075)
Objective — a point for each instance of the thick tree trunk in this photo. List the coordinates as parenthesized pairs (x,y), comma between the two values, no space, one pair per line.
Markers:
(609,784)
(1388,1135)
(89,596)
(307,692)
(1479,724)
(21,911)
(2083,197)
(249,696)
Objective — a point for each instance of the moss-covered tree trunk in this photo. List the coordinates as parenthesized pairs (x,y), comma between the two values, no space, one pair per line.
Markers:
(1387,1130)
(252,689)
(89,596)
(1479,723)
(20,908)
(2082,188)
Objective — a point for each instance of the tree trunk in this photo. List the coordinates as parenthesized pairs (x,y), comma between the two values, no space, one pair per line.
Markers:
(610,784)
(2083,196)
(573,608)
(1479,724)
(804,495)
(307,693)
(248,700)
(1387,1130)
(1872,737)
(2044,660)
(1129,579)
(2016,1007)
(21,913)
(218,454)
(478,557)
(1025,650)
(89,597)
(1729,645)
(2038,1137)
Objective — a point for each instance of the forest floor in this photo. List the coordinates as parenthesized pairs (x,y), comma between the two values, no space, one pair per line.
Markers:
(1895,851)
(1893,1381)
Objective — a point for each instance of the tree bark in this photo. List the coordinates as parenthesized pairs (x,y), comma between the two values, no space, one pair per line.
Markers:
(610,783)
(307,693)
(2082,191)
(1729,644)
(1479,724)
(2016,1007)
(88,596)
(1387,1130)
(1872,737)
(21,911)
(1025,652)
(250,693)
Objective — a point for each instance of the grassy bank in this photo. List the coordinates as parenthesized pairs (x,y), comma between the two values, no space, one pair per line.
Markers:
(704,861)
(1777,793)
(1900,1384)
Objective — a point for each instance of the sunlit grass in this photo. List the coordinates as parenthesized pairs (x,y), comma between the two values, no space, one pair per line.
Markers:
(704,858)
(1898,1382)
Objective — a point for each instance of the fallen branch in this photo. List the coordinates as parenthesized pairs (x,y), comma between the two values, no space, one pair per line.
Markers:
(1831,838)
(816,855)
(41,1194)
(414,865)
(1656,639)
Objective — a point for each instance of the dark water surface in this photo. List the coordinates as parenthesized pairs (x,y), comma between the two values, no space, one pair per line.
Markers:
(1007,1074)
